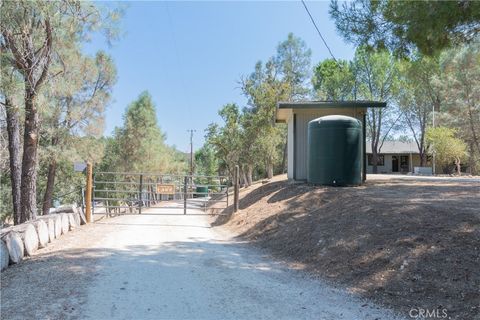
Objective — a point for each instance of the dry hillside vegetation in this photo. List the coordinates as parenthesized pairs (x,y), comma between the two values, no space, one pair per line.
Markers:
(402,243)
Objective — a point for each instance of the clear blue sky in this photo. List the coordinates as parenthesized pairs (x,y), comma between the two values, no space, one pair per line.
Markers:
(190,56)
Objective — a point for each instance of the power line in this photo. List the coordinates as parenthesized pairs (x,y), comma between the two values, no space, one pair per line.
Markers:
(180,66)
(318,30)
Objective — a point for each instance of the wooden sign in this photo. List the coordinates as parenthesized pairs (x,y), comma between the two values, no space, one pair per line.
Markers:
(166,188)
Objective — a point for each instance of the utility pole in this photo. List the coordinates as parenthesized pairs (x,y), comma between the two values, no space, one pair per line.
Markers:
(433,126)
(191,150)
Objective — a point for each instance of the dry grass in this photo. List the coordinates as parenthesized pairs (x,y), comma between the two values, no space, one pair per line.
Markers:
(400,242)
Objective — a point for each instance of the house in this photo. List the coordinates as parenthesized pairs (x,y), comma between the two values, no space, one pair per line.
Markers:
(402,157)
(297,115)
(394,157)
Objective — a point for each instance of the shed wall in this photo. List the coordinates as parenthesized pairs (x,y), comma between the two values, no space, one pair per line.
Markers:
(290,148)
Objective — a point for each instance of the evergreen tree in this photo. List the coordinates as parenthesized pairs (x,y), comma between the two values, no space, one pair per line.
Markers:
(406,26)
(140,141)
(334,80)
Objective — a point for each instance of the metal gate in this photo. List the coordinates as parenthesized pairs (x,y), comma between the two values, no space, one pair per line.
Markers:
(134,193)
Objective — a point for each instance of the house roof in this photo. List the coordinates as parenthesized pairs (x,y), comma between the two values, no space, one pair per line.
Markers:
(284,108)
(395,147)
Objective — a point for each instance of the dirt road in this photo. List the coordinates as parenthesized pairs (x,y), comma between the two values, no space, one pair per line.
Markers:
(167,266)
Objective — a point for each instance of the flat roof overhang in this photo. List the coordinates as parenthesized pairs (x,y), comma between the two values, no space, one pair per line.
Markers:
(284,109)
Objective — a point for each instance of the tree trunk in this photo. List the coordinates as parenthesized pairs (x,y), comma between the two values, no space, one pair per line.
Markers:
(28,234)
(269,170)
(76,215)
(29,161)
(83,219)
(47,198)
(471,159)
(249,175)
(64,222)
(29,237)
(423,159)
(13,128)
(50,223)
(244,178)
(58,225)
(14,246)
(458,167)
(4,256)
(72,221)
(374,160)
(52,166)
(66,208)
(42,232)
(285,154)
(472,128)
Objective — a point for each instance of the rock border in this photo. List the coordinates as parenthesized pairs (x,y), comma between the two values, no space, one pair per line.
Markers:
(25,239)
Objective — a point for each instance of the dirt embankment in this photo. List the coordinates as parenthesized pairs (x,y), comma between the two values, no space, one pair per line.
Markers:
(405,243)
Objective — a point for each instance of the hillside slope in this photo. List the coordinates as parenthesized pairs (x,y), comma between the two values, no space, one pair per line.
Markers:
(404,243)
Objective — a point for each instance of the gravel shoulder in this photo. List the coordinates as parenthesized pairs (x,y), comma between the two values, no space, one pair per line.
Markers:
(167,266)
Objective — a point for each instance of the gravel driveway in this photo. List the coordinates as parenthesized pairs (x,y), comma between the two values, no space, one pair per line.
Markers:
(169,266)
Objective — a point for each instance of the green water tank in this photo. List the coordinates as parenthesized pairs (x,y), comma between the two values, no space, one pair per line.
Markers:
(201,192)
(335,151)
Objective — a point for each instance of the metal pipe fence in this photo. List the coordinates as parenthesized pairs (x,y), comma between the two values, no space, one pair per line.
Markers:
(136,191)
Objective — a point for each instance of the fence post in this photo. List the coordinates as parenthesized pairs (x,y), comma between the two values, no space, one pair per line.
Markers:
(140,189)
(227,192)
(150,192)
(235,189)
(185,195)
(88,195)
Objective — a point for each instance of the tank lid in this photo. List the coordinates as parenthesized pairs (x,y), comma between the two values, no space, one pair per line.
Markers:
(338,119)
